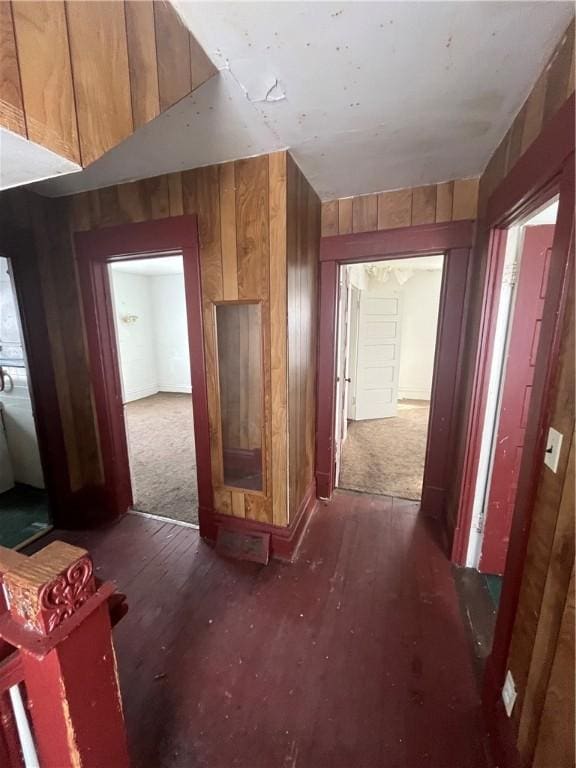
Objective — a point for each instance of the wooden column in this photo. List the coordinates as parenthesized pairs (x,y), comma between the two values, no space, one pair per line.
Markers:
(58,618)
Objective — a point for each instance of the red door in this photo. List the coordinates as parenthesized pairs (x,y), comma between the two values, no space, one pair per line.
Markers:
(516,392)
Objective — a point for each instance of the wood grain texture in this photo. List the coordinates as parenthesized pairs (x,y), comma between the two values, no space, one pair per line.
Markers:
(277,174)
(448,201)
(423,205)
(444,200)
(173,51)
(11,103)
(228,231)
(142,60)
(202,69)
(46,76)
(465,201)
(365,213)
(556,737)
(99,51)
(79,77)
(303,240)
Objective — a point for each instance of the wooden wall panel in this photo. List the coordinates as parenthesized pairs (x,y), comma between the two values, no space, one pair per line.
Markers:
(11,104)
(79,77)
(99,51)
(303,241)
(449,201)
(141,39)
(173,50)
(46,75)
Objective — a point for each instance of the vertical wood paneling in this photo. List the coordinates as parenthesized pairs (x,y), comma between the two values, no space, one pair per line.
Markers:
(555,746)
(394,209)
(553,600)
(534,111)
(173,51)
(46,75)
(175,194)
(157,196)
(365,213)
(133,202)
(465,202)
(423,205)
(201,67)
(330,218)
(11,105)
(252,227)
(303,238)
(141,39)
(345,215)
(228,231)
(278,333)
(97,32)
(559,75)
(444,198)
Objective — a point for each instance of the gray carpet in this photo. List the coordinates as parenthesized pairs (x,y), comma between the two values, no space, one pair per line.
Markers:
(386,456)
(160,432)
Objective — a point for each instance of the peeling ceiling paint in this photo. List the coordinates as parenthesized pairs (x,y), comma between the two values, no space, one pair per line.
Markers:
(367,95)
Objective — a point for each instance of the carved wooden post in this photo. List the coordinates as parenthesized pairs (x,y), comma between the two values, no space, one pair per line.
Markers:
(59,620)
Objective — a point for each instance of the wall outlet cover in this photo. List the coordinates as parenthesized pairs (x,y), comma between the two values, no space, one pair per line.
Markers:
(509,693)
(553,448)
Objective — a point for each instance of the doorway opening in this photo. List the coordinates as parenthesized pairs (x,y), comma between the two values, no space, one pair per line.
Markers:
(24,507)
(386,343)
(520,308)
(152,344)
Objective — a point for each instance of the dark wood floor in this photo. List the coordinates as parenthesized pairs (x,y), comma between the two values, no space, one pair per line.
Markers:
(355,656)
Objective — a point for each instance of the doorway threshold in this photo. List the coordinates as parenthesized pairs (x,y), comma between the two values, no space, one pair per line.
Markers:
(163,519)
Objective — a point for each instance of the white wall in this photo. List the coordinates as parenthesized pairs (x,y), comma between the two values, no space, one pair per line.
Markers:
(421,298)
(153,349)
(136,347)
(171,337)
(17,414)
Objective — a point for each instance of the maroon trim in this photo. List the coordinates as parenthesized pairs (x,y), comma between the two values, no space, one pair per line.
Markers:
(497,252)
(94,249)
(402,242)
(284,540)
(455,241)
(544,160)
(19,247)
(561,276)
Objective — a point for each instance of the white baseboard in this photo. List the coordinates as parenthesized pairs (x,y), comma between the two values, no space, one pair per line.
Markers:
(138,394)
(174,388)
(413,394)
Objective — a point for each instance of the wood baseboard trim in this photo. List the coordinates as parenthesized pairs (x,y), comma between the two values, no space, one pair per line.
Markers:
(284,540)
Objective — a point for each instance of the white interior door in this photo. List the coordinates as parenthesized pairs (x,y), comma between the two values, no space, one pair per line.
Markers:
(354,309)
(378,360)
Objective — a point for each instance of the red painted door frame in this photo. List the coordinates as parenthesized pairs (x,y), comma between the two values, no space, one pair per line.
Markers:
(517,376)
(454,241)
(545,169)
(94,250)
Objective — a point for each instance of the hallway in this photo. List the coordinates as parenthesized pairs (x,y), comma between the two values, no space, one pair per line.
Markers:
(354,656)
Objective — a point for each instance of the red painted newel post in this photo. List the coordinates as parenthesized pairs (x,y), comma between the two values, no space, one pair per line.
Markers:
(58,618)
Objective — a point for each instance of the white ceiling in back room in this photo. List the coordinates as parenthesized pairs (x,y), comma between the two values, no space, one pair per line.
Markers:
(367,95)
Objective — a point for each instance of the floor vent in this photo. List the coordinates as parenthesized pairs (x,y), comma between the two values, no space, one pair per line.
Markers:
(243,546)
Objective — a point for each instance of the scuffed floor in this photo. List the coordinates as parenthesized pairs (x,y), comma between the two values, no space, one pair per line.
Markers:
(160,432)
(354,656)
(386,456)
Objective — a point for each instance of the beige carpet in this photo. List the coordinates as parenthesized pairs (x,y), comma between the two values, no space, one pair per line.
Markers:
(160,431)
(386,456)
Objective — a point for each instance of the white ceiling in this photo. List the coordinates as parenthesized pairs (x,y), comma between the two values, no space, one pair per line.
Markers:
(23,161)
(367,95)
(165,265)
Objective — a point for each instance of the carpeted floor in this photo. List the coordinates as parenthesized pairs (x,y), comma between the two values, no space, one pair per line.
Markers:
(386,456)
(160,432)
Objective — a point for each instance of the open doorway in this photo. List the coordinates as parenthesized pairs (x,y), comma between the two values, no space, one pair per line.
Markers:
(150,318)
(520,308)
(387,331)
(24,508)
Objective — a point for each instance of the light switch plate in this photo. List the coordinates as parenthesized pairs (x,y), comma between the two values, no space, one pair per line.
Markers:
(509,693)
(553,448)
